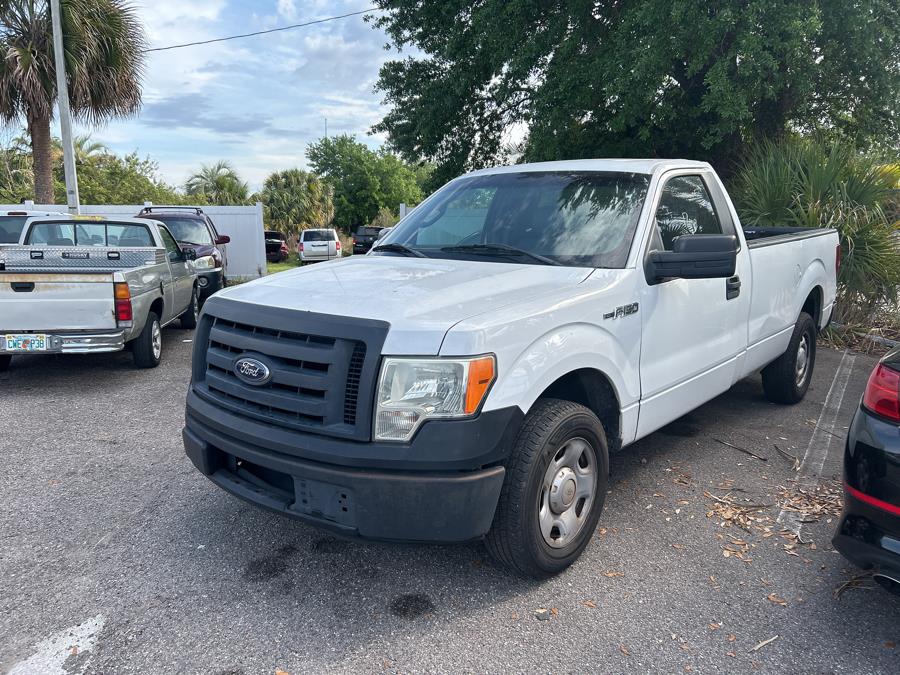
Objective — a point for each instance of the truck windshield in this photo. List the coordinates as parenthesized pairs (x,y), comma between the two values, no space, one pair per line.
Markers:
(582,219)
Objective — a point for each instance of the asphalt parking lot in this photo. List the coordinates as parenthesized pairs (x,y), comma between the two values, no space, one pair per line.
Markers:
(116,556)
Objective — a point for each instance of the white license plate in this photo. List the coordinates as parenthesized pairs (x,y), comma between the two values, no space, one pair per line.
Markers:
(25,342)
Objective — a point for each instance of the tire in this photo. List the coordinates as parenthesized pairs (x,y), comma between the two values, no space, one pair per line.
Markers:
(786,380)
(520,538)
(189,318)
(147,347)
(5,360)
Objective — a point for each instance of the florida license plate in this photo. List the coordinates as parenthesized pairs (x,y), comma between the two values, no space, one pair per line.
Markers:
(25,342)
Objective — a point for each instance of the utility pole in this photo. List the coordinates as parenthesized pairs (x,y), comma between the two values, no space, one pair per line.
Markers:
(65,119)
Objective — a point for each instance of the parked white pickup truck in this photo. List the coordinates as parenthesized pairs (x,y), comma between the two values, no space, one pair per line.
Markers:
(87,284)
(524,322)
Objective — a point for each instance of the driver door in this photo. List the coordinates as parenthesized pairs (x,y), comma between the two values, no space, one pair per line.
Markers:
(182,276)
(693,330)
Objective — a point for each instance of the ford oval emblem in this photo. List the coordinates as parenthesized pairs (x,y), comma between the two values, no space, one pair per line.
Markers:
(252,371)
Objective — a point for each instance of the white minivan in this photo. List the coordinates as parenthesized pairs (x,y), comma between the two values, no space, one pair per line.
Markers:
(319,244)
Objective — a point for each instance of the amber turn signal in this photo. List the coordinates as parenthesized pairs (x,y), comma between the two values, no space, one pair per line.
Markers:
(481,375)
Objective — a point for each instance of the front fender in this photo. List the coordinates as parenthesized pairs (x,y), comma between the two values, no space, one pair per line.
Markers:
(524,377)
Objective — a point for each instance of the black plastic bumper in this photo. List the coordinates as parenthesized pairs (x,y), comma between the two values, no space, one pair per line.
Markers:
(864,540)
(377,491)
(215,281)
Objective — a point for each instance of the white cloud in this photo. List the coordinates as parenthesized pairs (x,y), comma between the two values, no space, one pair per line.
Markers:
(287,9)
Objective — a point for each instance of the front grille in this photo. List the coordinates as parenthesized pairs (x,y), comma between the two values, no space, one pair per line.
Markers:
(320,373)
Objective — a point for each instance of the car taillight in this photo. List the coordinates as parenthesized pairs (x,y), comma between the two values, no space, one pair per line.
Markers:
(300,247)
(354,241)
(337,245)
(837,261)
(882,394)
(122,296)
(284,248)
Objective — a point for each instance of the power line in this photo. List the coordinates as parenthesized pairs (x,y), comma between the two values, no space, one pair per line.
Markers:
(264,32)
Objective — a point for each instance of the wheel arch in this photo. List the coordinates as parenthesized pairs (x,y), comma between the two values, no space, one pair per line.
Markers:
(594,390)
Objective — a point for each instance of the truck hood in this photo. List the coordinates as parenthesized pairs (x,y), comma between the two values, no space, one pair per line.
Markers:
(420,298)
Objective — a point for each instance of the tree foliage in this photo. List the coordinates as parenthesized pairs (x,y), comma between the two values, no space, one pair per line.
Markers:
(364,181)
(219,184)
(103,177)
(105,52)
(591,78)
(295,200)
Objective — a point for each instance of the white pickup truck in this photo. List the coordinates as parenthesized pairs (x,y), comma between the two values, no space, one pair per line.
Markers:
(87,284)
(518,326)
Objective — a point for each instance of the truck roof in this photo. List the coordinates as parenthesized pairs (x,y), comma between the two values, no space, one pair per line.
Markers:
(647,166)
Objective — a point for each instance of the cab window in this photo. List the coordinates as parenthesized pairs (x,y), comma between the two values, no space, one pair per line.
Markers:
(685,207)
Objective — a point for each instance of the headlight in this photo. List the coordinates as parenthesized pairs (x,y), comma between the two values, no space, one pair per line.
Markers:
(411,391)
(207,262)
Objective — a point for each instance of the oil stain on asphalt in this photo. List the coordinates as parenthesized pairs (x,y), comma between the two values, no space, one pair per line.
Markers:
(411,605)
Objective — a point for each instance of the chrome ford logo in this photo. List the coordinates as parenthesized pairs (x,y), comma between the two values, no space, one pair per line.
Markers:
(252,371)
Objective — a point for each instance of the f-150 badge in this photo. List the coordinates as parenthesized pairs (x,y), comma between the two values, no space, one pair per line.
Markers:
(624,310)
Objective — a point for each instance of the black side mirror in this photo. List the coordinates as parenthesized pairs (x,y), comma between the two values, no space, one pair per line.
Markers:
(189,254)
(695,256)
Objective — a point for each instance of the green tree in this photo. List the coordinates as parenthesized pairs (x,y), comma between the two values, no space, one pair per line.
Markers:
(104,45)
(296,199)
(364,181)
(590,78)
(109,179)
(217,183)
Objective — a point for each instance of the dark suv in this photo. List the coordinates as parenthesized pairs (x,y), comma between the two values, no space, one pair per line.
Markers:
(193,229)
(365,237)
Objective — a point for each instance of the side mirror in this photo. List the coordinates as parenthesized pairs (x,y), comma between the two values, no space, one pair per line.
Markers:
(189,254)
(222,239)
(695,256)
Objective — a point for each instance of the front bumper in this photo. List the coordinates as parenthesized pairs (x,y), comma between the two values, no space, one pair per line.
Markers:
(77,343)
(210,282)
(443,486)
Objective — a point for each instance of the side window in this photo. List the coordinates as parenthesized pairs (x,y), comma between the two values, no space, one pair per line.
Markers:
(685,207)
(173,250)
(52,234)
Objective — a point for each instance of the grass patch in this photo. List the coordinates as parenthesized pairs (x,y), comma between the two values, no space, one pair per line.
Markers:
(289,264)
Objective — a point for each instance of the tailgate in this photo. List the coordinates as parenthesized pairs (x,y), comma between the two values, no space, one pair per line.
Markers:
(56,302)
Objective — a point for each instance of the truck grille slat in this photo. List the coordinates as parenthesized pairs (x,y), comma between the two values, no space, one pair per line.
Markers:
(318,378)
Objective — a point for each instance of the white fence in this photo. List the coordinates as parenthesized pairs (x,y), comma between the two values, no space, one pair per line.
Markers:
(244,224)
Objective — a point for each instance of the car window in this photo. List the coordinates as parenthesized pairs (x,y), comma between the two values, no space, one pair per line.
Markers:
(173,250)
(11,228)
(318,235)
(368,231)
(188,230)
(126,234)
(577,218)
(52,234)
(685,207)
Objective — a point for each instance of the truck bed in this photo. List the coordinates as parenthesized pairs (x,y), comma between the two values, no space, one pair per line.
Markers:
(769,236)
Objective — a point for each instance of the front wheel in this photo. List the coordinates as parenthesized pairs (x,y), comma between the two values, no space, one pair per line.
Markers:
(189,318)
(147,348)
(556,480)
(787,378)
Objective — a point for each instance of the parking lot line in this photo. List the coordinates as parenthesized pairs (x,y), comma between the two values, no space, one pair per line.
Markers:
(821,440)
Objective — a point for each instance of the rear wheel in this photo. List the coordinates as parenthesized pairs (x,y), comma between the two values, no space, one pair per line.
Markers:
(787,378)
(147,348)
(555,485)
(5,360)
(189,318)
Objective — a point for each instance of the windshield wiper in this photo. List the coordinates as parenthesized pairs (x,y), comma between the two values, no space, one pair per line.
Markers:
(399,248)
(498,250)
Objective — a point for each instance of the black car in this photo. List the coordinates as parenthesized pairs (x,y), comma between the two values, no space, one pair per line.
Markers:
(869,530)
(276,246)
(365,237)
(193,229)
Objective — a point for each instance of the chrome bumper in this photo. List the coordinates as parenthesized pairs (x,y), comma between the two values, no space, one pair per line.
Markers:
(78,343)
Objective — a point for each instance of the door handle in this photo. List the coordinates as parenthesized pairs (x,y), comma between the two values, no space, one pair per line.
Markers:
(732,287)
(22,286)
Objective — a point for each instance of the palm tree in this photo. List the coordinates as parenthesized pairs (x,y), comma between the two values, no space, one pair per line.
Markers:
(104,45)
(218,183)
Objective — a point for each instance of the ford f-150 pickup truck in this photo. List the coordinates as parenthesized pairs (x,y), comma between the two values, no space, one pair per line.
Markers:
(76,285)
(529,320)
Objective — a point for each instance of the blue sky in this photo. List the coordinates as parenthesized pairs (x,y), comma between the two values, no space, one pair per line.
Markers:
(258,101)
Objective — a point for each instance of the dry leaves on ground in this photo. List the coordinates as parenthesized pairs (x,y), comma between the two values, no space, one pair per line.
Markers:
(815,503)
(772,597)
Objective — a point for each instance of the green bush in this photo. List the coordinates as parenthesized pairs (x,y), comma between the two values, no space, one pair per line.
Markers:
(808,183)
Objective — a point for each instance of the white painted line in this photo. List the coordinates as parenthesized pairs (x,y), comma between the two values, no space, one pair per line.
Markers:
(50,655)
(821,440)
